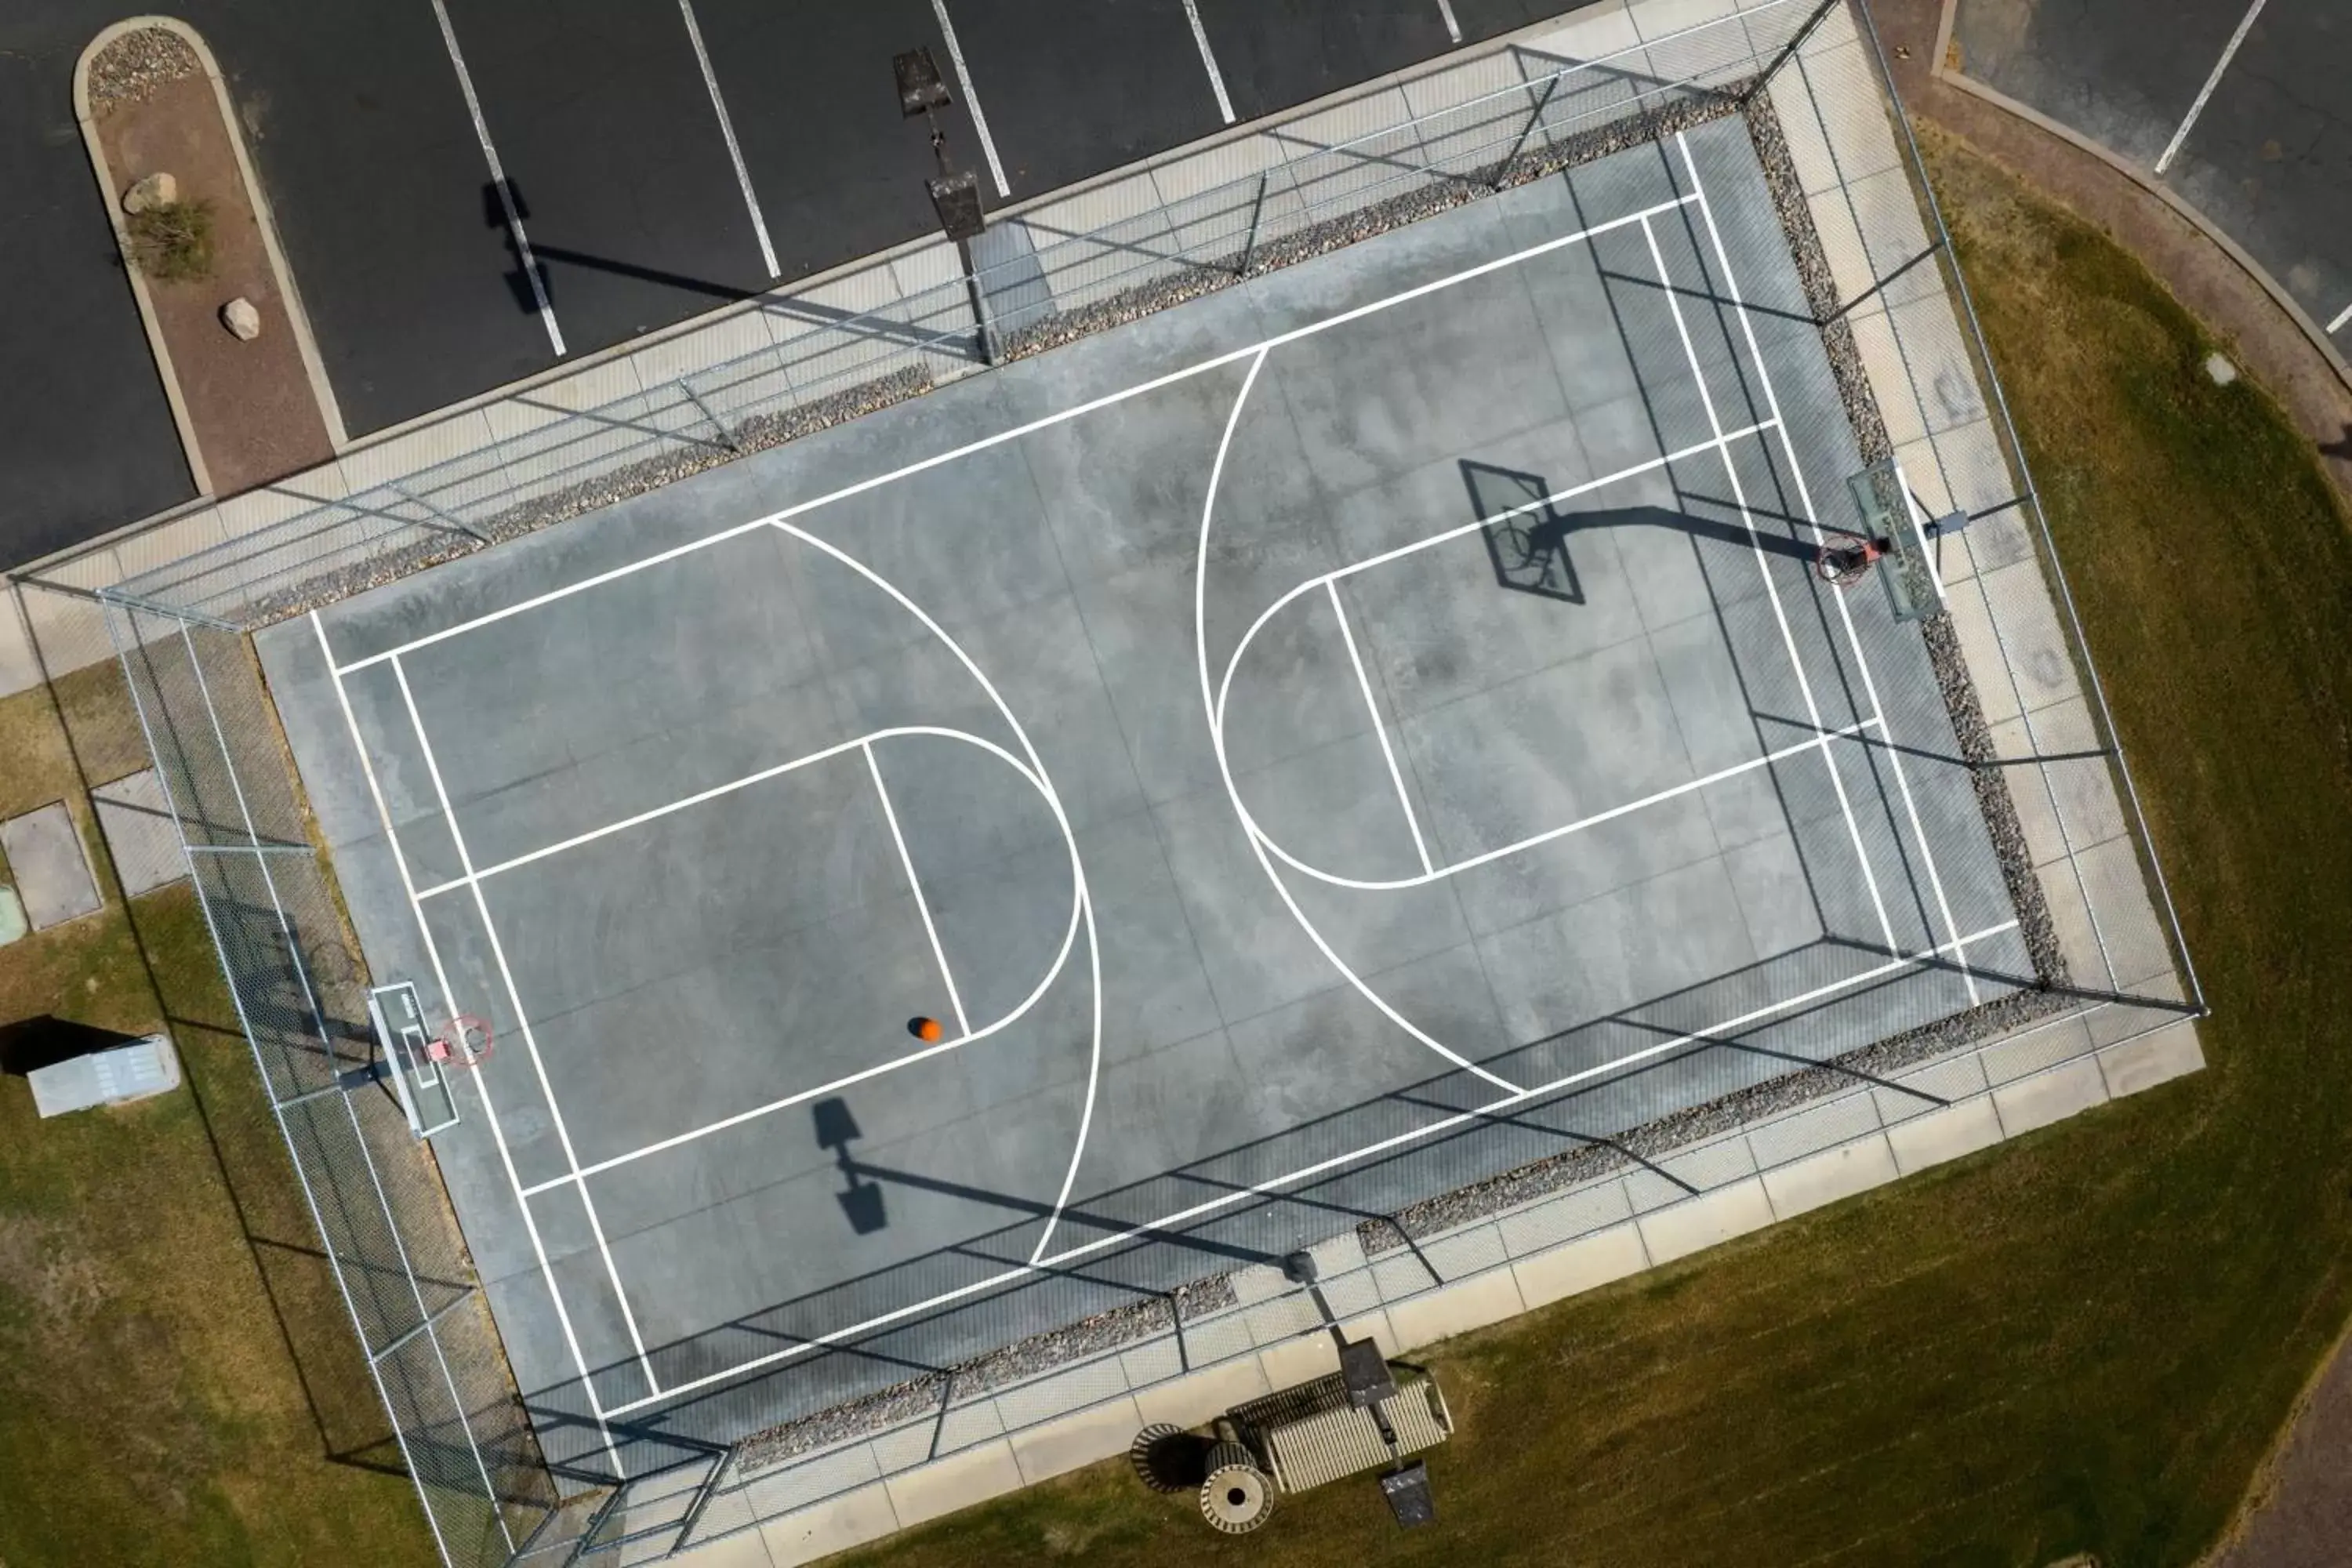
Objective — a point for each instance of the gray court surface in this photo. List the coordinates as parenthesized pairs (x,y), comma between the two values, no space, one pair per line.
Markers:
(2267,155)
(1281,835)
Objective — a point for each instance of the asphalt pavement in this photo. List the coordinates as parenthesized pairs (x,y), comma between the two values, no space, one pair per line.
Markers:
(654,179)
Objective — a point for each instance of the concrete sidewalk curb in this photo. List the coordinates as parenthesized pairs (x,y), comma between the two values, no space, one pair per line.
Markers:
(1022,1455)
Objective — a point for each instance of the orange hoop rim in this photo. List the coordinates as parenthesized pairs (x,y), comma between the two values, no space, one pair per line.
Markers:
(467,1039)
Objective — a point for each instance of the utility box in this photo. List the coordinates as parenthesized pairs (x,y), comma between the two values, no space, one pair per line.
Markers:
(144,1068)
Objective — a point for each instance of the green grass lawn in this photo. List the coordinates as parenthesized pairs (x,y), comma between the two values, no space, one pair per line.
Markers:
(2082,1341)
(177,1372)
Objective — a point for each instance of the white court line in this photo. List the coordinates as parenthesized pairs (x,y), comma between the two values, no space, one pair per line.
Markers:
(726,129)
(1061,960)
(1272,1186)
(1453,27)
(1047,422)
(1213,714)
(971,98)
(522,1021)
(914,886)
(1388,753)
(2245,26)
(523,256)
(1845,611)
(1209,60)
(2342,316)
(1771,589)
(1233,661)
(481,1081)
(1061,817)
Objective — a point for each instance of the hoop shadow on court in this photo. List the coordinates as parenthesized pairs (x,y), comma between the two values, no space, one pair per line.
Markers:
(1526,537)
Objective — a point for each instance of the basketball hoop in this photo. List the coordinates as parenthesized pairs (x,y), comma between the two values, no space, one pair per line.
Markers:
(465,1042)
(1845,564)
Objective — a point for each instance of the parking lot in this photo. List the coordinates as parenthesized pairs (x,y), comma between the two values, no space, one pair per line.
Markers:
(664,157)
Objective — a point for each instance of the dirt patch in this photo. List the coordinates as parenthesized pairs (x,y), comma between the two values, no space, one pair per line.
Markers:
(250,405)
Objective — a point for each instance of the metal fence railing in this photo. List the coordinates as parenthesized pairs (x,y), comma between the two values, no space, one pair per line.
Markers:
(372,1190)
(1917,388)
(1033,285)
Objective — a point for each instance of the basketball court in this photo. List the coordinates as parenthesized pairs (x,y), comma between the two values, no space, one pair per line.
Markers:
(1311,748)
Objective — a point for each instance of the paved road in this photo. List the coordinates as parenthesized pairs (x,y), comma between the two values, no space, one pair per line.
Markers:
(613,131)
(2261,143)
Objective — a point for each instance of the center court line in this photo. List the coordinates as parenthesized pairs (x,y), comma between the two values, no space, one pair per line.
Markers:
(922,905)
(1271,1186)
(971,97)
(1017,432)
(726,129)
(481,1081)
(1845,610)
(2245,26)
(1453,27)
(522,1020)
(1209,60)
(1771,588)
(523,256)
(1388,753)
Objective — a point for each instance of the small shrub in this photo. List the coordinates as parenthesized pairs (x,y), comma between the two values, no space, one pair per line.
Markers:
(173,243)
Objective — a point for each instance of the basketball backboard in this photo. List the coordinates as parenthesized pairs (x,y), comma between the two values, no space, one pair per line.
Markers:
(420,1079)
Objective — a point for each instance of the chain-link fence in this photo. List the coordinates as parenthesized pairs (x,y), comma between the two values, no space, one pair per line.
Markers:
(1881,286)
(1032,282)
(297,981)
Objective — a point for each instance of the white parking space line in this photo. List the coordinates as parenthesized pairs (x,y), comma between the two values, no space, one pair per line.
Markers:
(1453,27)
(2342,316)
(915,886)
(481,1085)
(1273,1185)
(726,129)
(1209,61)
(1771,588)
(522,1021)
(1018,432)
(971,97)
(1388,752)
(2245,26)
(523,256)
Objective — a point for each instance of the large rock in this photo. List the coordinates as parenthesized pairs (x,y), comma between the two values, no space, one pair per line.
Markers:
(240,317)
(154,191)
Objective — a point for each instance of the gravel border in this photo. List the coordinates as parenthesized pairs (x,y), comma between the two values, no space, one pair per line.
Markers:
(932,1394)
(136,65)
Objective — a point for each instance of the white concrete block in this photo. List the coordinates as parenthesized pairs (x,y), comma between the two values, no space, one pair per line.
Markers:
(1298,1360)
(2151,1060)
(1962,1128)
(957,1481)
(1699,1223)
(1080,1438)
(1831,1176)
(850,1520)
(1585,1263)
(1193,1398)
(19,670)
(2049,1097)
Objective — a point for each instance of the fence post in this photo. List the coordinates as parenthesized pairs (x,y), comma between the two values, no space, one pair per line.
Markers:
(977,292)
(404,493)
(1764,78)
(1257,210)
(1502,168)
(726,437)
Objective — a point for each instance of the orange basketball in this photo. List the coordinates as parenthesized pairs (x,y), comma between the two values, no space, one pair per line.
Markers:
(926,1030)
